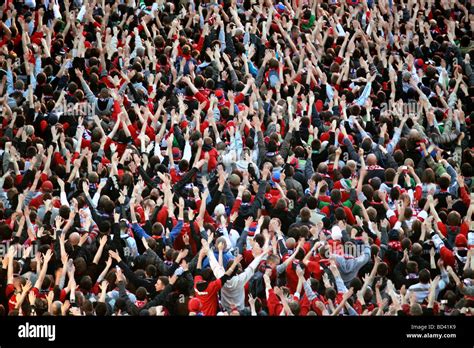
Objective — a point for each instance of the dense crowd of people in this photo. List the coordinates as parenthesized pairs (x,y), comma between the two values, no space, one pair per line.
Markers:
(236,157)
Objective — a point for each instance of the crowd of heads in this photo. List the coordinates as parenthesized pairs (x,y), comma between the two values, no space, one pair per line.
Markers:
(236,157)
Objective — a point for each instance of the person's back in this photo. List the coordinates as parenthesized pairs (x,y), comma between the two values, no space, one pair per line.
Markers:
(422,288)
(349,266)
(233,291)
(421,291)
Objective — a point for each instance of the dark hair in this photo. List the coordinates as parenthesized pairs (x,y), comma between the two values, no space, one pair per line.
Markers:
(382,269)
(424,276)
(336,196)
(164,280)
(305,214)
(101,309)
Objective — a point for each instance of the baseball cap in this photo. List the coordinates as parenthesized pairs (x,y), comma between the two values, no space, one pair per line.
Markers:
(47,186)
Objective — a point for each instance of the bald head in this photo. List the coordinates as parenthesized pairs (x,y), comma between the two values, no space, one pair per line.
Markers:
(322,168)
(413,133)
(74,238)
(371,160)
(56,308)
(290,243)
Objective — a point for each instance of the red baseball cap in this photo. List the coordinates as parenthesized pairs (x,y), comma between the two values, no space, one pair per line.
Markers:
(47,186)
(194,305)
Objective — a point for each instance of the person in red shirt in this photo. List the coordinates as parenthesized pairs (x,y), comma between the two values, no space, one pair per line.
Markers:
(14,283)
(206,290)
(279,300)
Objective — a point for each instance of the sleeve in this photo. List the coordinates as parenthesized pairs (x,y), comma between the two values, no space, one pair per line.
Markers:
(310,294)
(222,39)
(91,98)
(245,276)
(261,149)
(260,75)
(392,217)
(242,241)
(10,88)
(329,91)
(236,206)
(202,98)
(259,197)
(281,268)
(350,148)
(187,153)
(285,146)
(364,95)
(398,274)
(252,69)
(176,230)
(342,264)
(466,199)
(160,298)
(442,228)
(363,259)
(341,287)
(393,143)
(185,179)
(217,269)
(146,177)
(138,44)
(131,276)
(157,261)
(139,231)
(444,281)
(438,242)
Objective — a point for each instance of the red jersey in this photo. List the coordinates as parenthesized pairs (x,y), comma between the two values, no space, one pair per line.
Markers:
(208,297)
